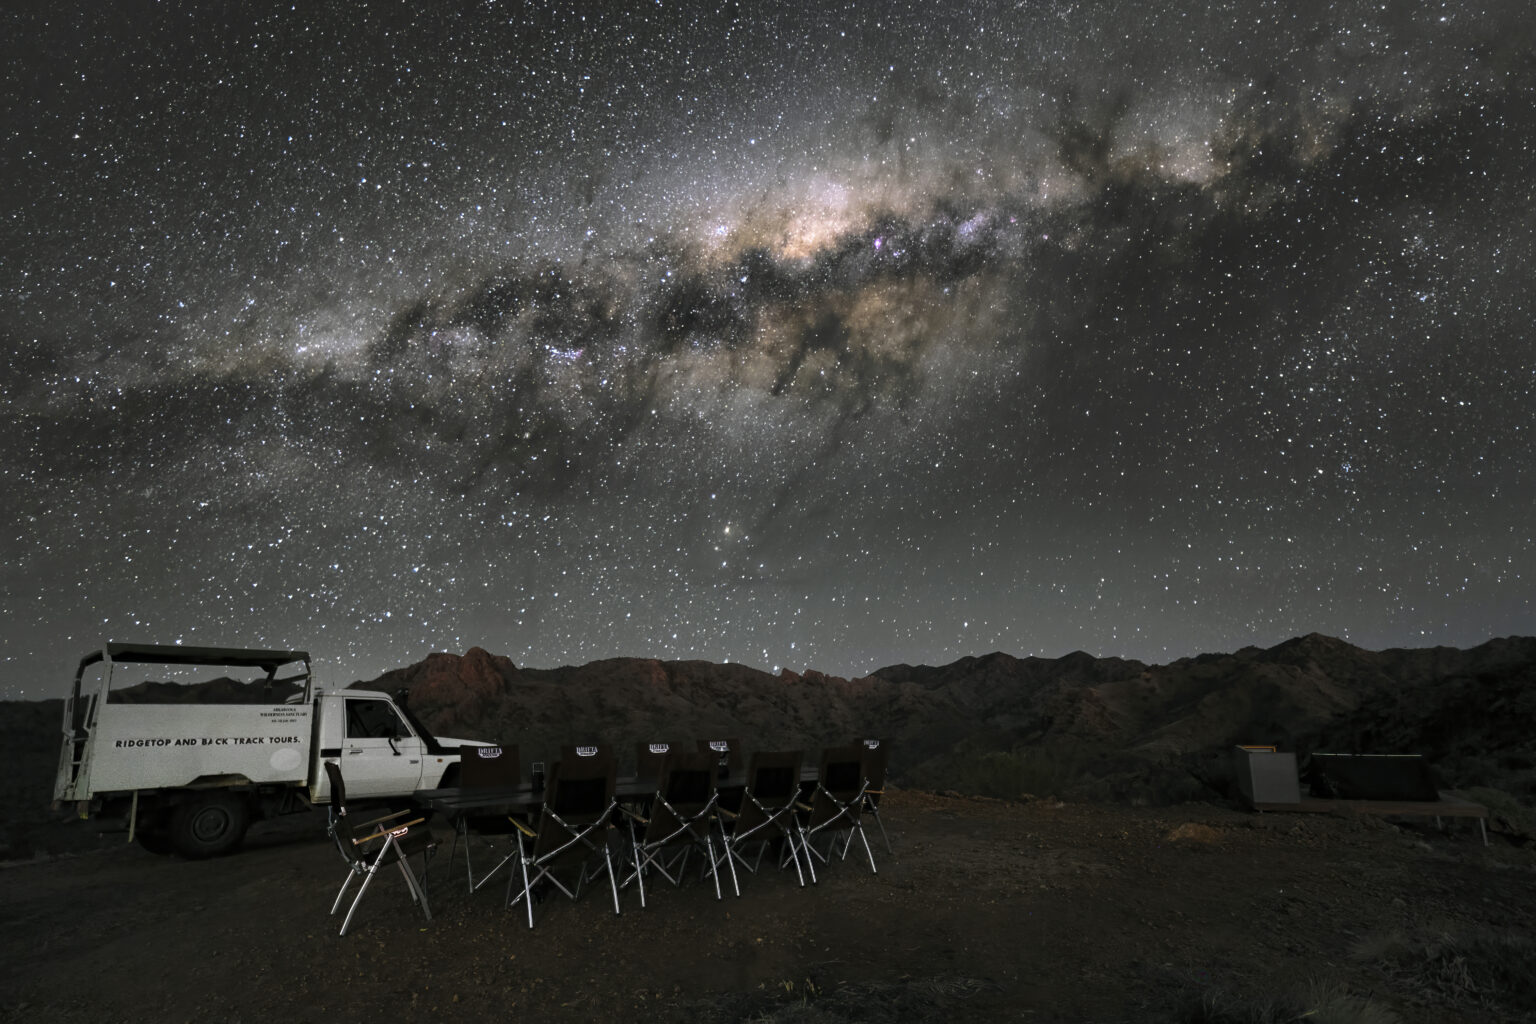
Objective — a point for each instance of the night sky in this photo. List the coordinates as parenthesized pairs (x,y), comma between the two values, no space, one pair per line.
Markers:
(824,335)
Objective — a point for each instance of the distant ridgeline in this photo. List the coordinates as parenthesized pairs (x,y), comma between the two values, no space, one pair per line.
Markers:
(1077,727)
(214,691)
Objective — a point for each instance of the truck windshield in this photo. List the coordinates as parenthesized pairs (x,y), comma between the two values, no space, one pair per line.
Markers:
(433,746)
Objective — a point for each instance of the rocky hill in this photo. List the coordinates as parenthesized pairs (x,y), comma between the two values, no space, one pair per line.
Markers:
(1077,727)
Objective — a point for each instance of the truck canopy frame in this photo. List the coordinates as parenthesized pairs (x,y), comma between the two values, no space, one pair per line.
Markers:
(175,654)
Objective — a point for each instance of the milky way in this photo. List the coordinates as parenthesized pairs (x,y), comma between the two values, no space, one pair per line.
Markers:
(829,337)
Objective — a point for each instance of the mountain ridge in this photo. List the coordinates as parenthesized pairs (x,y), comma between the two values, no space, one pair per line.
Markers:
(1075,727)
(1110,718)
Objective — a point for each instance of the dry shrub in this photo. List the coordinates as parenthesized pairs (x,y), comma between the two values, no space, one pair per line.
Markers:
(933,1000)
(1484,968)
(1506,814)
(974,768)
(1317,1002)
(1080,772)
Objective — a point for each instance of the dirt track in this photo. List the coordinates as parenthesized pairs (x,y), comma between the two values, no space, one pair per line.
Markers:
(987,911)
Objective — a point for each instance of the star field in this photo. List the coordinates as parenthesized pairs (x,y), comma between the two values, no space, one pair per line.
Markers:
(814,336)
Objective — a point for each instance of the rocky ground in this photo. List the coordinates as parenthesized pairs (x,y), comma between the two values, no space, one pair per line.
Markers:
(987,910)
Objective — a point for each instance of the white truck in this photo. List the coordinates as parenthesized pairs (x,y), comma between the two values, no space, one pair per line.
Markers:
(190,777)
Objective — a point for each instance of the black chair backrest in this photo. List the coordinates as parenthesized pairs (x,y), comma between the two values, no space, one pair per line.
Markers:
(873,760)
(773,786)
(576,797)
(730,749)
(842,770)
(338,787)
(582,781)
(687,780)
(773,776)
(489,767)
(648,757)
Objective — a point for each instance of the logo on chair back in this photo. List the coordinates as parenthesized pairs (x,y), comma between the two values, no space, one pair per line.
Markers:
(659,748)
(719,746)
(488,752)
(586,751)
(871,744)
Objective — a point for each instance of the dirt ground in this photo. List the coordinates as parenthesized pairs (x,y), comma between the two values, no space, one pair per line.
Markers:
(986,911)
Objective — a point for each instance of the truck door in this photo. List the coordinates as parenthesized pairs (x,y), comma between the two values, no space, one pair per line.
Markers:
(380,755)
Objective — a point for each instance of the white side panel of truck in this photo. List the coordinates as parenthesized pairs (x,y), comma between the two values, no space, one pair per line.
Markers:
(155,746)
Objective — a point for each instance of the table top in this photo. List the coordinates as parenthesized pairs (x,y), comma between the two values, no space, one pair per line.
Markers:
(523,798)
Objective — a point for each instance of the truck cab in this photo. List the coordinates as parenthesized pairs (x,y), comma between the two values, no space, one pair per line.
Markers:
(379,746)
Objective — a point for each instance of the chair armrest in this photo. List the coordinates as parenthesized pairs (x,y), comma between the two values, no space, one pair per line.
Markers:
(360,826)
(386,831)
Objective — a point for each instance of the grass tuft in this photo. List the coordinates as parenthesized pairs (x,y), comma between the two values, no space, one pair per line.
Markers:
(1317,1002)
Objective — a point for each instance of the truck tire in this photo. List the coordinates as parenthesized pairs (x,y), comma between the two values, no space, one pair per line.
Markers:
(208,824)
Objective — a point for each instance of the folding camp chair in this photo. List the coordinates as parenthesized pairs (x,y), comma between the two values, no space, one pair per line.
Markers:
(679,819)
(873,760)
(392,838)
(648,757)
(572,827)
(835,806)
(767,812)
(481,769)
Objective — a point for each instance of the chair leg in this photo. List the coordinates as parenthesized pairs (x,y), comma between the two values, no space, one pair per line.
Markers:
(453,850)
(789,840)
(810,864)
(469,866)
(730,862)
(612,883)
(410,882)
(640,861)
(345,885)
(527,886)
(418,887)
(487,876)
(363,889)
(427,856)
(867,851)
(714,865)
(876,815)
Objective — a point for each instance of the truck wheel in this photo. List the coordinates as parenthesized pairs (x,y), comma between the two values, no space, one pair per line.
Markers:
(209,824)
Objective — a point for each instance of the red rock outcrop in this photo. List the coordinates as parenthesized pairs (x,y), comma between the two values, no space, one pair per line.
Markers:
(454,692)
